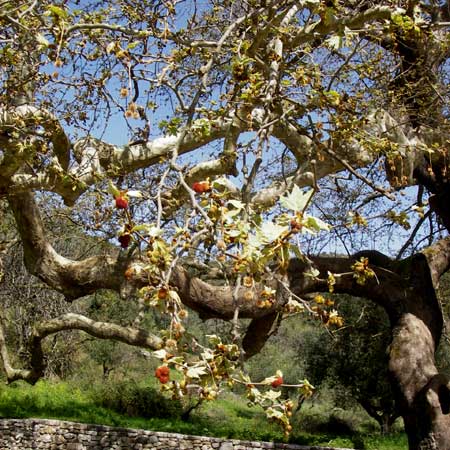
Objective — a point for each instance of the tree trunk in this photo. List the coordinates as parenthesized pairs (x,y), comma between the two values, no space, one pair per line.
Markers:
(423,395)
(386,422)
(407,291)
(384,419)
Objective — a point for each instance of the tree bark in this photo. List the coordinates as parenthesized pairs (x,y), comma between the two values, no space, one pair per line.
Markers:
(407,291)
(422,393)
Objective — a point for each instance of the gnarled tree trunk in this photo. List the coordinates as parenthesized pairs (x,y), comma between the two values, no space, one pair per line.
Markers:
(407,291)
(422,393)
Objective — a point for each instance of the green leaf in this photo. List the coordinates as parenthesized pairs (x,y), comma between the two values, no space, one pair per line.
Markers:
(58,11)
(272,413)
(178,360)
(208,355)
(272,395)
(296,200)
(221,181)
(42,40)
(214,339)
(313,224)
(113,190)
(196,372)
(237,208)
(234,233)
(148,229)
(297,252)
(133,45)
(312,273)
(160,354)
(110,47)
(265,234)
(174,296)
(334,42)
(272,231)
(230,214)
(236,204)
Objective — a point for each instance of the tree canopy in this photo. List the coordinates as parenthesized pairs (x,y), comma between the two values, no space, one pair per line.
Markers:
(238,158)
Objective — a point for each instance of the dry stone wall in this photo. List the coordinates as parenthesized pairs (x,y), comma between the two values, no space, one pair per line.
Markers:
(43,434)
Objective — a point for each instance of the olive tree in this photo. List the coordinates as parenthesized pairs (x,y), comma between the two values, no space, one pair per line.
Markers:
(353,361)
(216,138)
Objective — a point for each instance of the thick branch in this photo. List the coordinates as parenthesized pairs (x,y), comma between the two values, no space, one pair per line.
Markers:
(95,158)
(13,374)
(352,22)
(224,165)
(257,334)
(72,278)
(27,119)
(438,259)
(101,330)
(346,155)
(77,278)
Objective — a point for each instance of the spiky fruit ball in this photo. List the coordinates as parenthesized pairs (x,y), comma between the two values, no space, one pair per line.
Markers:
(277,382)
(163,374)
(121,202)
(200,187)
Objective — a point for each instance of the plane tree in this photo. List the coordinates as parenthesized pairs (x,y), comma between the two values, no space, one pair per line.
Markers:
(209,143)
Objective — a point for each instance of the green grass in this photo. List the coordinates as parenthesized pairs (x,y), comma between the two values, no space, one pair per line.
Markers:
(229,417)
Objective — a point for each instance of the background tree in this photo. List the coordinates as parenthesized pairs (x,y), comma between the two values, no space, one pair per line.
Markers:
(354,363)
(231,109)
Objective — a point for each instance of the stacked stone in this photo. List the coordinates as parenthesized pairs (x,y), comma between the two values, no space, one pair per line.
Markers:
(32,434)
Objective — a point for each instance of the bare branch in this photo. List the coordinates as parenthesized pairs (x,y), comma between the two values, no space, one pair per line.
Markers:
(71,321)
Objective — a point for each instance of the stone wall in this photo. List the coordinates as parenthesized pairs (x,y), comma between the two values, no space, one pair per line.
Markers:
(43,434)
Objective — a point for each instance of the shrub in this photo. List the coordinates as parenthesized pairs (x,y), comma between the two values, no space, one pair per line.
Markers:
(134,400)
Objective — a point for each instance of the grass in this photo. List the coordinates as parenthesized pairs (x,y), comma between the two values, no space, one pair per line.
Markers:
(229,417)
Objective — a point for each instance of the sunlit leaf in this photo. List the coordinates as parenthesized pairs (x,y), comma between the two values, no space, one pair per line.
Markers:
(313,224)
(42,40)
(270,231)
(58,11)
(272,395)
(196,372)
(112,189)
(296,200)
(135,194)
(334,42)
(236,204)
(160,354)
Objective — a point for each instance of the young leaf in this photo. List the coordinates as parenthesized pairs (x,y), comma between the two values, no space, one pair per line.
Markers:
(160,354)
(113,190)
(196,372)
(135,194)
(42,40)
(313,224)
(269,232)
(296,200)
(58,11)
